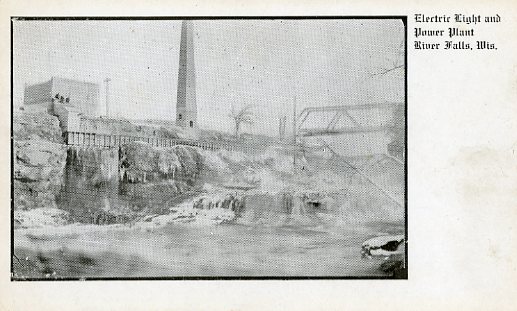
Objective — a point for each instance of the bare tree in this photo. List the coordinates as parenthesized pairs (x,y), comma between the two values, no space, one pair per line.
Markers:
(241,116)
(397,63)
(386,70)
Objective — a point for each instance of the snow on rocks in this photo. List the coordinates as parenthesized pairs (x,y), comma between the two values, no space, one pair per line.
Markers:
(40,217)
(141,162)
(383,246)
(206,209)
(28,126)
(213,161)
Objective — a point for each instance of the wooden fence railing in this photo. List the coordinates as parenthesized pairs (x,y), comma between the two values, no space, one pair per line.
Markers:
(111,140)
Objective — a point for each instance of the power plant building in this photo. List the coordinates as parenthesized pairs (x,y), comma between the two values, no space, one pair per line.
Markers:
(83,96)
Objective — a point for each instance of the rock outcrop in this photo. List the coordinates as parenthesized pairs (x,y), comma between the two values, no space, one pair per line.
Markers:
(39,161)
(91,184)
(384,246)
(142,163)
(391,248)
(36,125)
(120,185)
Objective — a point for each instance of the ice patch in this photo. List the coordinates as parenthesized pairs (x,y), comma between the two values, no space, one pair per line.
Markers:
(389,245)
(40,217)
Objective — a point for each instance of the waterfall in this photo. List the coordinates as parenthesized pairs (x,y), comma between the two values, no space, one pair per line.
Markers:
(298,206)
(91,182)
(232,202)
(107,205)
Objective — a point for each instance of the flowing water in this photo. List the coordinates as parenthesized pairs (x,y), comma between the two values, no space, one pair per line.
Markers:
(274,236)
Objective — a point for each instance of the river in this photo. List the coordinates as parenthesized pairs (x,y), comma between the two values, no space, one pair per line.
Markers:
(293,248)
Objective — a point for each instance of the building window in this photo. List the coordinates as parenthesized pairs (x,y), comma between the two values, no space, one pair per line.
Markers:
(179,117)
(191,123)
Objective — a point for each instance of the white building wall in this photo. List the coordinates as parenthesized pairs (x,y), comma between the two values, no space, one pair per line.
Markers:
(84,96)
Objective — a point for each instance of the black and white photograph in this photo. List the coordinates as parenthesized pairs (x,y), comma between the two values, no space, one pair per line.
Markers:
(199,148)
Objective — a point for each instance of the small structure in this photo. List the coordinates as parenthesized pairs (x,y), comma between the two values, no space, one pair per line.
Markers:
(83,96)
(69,117)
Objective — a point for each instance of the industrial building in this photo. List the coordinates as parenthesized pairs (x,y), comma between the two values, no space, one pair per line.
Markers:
(83,96)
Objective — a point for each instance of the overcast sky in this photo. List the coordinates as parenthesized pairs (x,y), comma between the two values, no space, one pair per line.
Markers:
(265,63)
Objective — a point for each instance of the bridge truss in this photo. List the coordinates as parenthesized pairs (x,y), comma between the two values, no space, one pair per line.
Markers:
(340,112)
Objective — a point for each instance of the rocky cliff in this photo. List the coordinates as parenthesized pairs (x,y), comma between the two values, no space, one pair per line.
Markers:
(40,126)
(120,185)
(39,160)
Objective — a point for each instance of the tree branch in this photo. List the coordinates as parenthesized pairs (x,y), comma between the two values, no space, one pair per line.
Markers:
(388,70)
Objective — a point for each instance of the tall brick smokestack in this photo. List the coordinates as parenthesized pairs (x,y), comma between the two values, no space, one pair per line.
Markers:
(186,108)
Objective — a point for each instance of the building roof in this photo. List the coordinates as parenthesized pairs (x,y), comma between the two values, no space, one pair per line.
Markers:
(73,80)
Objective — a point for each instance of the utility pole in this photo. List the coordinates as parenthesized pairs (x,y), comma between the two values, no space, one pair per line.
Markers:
(294,132)
(282,122)
(107,80)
